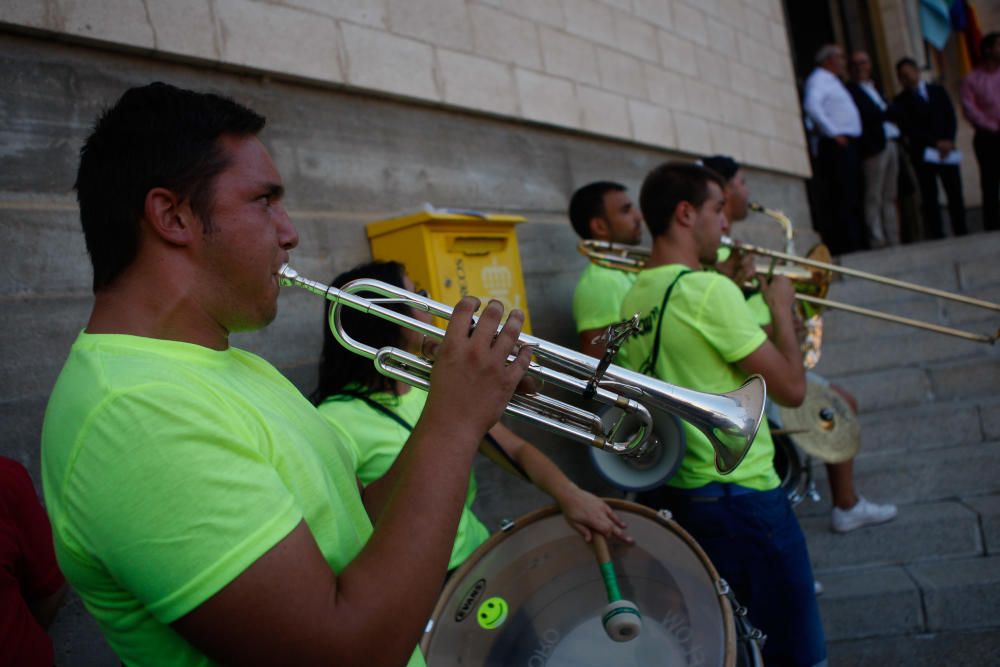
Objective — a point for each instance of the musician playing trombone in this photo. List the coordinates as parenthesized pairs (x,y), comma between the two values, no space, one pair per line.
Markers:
(850,509)
(602,211)
(699,332)
(190,508)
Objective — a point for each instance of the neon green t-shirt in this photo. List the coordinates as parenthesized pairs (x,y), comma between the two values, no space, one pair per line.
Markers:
(707,327)
(376,439)
(169,468)
(598,297)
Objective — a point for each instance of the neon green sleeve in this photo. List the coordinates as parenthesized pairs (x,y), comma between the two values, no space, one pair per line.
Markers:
(179,501)
(598,297)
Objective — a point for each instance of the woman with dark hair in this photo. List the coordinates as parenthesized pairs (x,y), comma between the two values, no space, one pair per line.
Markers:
(375,415)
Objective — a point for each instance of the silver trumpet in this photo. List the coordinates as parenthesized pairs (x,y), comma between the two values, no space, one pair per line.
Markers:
(730,421)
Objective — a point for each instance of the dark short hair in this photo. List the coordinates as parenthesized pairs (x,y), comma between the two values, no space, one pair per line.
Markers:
(342,372)
(988,41)
(670,184)
(723,165)
(906,61)
(154,136)
(588,203)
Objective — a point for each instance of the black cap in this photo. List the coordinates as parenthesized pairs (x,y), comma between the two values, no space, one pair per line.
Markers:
(723,165)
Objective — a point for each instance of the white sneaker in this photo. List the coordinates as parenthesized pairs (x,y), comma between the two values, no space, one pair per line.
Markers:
(817,587)
(864,513)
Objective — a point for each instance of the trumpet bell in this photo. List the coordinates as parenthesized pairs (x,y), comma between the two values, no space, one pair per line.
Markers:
(729,440)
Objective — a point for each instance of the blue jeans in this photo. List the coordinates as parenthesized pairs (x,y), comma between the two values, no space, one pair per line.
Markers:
(754,540)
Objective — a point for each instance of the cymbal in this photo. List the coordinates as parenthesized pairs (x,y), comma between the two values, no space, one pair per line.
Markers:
(828,429)
(788,431)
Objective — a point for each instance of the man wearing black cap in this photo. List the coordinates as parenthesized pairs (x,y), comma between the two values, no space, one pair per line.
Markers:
(850,510)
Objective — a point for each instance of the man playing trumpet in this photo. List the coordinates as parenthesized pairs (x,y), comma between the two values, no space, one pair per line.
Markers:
(190,508)
(698,332)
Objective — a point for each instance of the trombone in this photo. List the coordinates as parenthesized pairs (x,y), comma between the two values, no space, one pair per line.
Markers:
(810,286)
(824,269)
(730,421)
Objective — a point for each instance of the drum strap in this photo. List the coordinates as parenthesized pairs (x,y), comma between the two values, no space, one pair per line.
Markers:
(649,367)
(490,448)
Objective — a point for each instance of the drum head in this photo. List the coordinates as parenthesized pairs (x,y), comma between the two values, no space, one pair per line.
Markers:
(534,596)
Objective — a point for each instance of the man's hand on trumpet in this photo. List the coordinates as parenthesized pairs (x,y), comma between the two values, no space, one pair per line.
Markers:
(471,376)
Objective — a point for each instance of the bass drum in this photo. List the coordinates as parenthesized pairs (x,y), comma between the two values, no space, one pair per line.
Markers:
(533,595)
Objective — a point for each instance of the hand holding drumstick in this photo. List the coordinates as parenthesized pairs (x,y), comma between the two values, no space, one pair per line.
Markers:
(621,618)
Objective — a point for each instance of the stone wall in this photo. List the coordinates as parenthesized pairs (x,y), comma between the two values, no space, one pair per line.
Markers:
(699,76)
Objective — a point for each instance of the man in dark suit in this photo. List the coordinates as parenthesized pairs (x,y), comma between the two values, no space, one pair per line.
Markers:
(925,115)
(879,155)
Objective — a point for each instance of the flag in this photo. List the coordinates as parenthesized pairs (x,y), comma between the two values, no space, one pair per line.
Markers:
(935,22)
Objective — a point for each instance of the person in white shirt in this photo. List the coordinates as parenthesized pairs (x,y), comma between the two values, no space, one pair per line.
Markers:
(834,117)
(879,154)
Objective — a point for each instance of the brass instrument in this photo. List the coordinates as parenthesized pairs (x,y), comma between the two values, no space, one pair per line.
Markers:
(826,267)
(730,421)
(614,255)
(781,219)
(811,278)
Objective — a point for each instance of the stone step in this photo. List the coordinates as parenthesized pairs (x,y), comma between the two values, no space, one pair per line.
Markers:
(990,414)
(887,389)
(840,325)
(906,347)
(870,603)
(988,509)
(959,595)
(916,477)
(924,427)
(953,649)
(918,256)
(981,274)
(958,381)
(924,531)
(965,380)
(861,292)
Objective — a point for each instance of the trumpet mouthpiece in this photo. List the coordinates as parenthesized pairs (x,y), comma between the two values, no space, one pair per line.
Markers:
(287,275)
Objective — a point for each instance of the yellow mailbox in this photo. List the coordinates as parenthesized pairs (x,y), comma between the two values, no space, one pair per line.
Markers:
(452,253)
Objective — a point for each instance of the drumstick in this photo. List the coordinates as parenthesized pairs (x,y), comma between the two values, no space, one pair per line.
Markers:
(621,618)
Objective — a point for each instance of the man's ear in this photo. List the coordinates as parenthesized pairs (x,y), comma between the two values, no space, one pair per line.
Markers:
(599,228)
(684,214)
(170,217)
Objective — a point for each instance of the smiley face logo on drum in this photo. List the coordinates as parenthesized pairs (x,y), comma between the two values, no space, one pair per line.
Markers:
(492,613)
